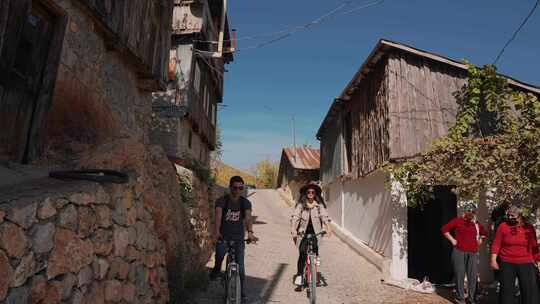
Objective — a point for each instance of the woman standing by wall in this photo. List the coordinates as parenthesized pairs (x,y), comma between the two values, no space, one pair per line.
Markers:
(516,245)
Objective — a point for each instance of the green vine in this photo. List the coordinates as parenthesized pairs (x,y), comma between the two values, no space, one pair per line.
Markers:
(494,144)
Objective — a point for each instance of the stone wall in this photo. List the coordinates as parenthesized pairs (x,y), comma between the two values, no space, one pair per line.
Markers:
(79,242)
(96,95)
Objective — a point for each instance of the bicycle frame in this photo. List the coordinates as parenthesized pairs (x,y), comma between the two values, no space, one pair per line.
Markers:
(310,271)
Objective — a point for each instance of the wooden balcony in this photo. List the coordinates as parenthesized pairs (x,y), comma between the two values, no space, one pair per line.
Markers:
(202,124)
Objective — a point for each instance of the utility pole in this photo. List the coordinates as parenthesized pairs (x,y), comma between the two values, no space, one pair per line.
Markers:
(294,138)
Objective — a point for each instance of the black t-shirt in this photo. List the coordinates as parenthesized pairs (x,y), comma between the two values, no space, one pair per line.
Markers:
(232,217)
(310,229)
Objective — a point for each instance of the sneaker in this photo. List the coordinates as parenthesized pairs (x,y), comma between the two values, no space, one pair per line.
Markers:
(298,280)
(298,288)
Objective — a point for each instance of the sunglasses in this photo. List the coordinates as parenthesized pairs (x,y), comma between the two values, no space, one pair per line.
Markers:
(237,187)
(311,192)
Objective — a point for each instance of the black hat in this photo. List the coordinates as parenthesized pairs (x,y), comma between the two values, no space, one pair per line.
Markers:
(310,185)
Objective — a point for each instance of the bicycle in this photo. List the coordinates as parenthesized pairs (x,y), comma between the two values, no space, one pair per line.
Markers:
(232,284)
(309,276)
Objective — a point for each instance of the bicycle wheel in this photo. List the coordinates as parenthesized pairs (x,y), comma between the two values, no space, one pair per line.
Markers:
(234,291)
(312,279)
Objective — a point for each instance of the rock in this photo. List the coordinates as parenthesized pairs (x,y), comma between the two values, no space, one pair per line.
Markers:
(85,277)
(119,214)
(68,218)
(101,196)
(96,294)
(131,216)
(42,240)
(104,216)
(132,235)
(119,269)
(60,203)
(46,210)
(13,240)
(65,285)
(87,221)
(150,260)
(128,292)
(23,216)
(82,198)
(77,297)
(2,215)
(100,267)
(23,271)
(127,199)
(38,289)
(143,235)
(52,295)
(113,291)
(120,240)
(70,254)
(102,240)
(132,254)
(18,295)
(154,280)
(7,273)
(141,280)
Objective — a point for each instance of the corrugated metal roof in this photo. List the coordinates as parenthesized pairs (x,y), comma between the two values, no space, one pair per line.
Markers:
(304,158)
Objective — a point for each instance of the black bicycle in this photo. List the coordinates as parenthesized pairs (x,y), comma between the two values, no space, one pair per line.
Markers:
(309,276)
(233,288)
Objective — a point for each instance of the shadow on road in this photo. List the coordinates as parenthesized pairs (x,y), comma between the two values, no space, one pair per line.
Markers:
(259,290)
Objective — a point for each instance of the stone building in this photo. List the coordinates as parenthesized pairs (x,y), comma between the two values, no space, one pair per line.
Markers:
(76,78)
(185,114)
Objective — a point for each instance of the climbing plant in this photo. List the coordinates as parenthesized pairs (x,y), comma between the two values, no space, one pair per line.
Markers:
(494,145)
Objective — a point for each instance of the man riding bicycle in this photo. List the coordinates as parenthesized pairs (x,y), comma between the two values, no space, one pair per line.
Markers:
(309,217)
(233,217)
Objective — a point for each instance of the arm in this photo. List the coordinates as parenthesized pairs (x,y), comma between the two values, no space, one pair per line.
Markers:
(326,221)
(534,247)
(446,231)
(496,247)
(219,214)
(248,221)
(295,220)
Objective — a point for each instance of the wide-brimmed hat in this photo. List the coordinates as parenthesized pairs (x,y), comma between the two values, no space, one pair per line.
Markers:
(310,185)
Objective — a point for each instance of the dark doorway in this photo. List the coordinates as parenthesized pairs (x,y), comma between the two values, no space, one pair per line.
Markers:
(27,37)
(429,253)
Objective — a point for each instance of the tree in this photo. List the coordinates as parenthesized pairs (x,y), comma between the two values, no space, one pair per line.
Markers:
(266,173)
(494,145)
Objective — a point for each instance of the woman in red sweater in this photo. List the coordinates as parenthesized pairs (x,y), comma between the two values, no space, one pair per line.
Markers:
(516,246)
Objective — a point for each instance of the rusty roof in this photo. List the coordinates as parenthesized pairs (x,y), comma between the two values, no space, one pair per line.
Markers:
(304,158)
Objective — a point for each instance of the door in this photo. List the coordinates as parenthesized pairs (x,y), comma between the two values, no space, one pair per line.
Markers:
(429,253)
(26,41)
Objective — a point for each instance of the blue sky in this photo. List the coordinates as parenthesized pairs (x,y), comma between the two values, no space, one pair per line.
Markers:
(302,74)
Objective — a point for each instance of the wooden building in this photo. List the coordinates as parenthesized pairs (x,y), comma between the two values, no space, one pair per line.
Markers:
(297,167)
(185,115)
(72,71)
(398,102)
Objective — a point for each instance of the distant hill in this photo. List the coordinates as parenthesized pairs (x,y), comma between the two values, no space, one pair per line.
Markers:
(224,172)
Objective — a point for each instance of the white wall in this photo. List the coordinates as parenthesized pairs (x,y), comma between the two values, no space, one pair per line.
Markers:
(375,215)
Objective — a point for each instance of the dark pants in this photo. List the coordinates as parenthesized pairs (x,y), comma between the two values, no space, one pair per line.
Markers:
(301,264)
(528,287)
(221,250)
(465,263)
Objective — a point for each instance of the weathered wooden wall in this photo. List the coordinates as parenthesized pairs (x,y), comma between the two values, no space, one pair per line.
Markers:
(140,28)
(331,152)
(421,104)
(369,115)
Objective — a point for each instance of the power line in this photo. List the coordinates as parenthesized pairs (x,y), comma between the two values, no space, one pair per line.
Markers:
(280,35)
(517,31)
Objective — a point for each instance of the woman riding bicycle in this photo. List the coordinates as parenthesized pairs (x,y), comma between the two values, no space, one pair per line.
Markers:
(309,217)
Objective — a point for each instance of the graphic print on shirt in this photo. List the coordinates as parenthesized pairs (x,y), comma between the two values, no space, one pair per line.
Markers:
(232,216)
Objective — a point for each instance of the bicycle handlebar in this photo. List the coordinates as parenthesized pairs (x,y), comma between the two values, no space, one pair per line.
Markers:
(312,235)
